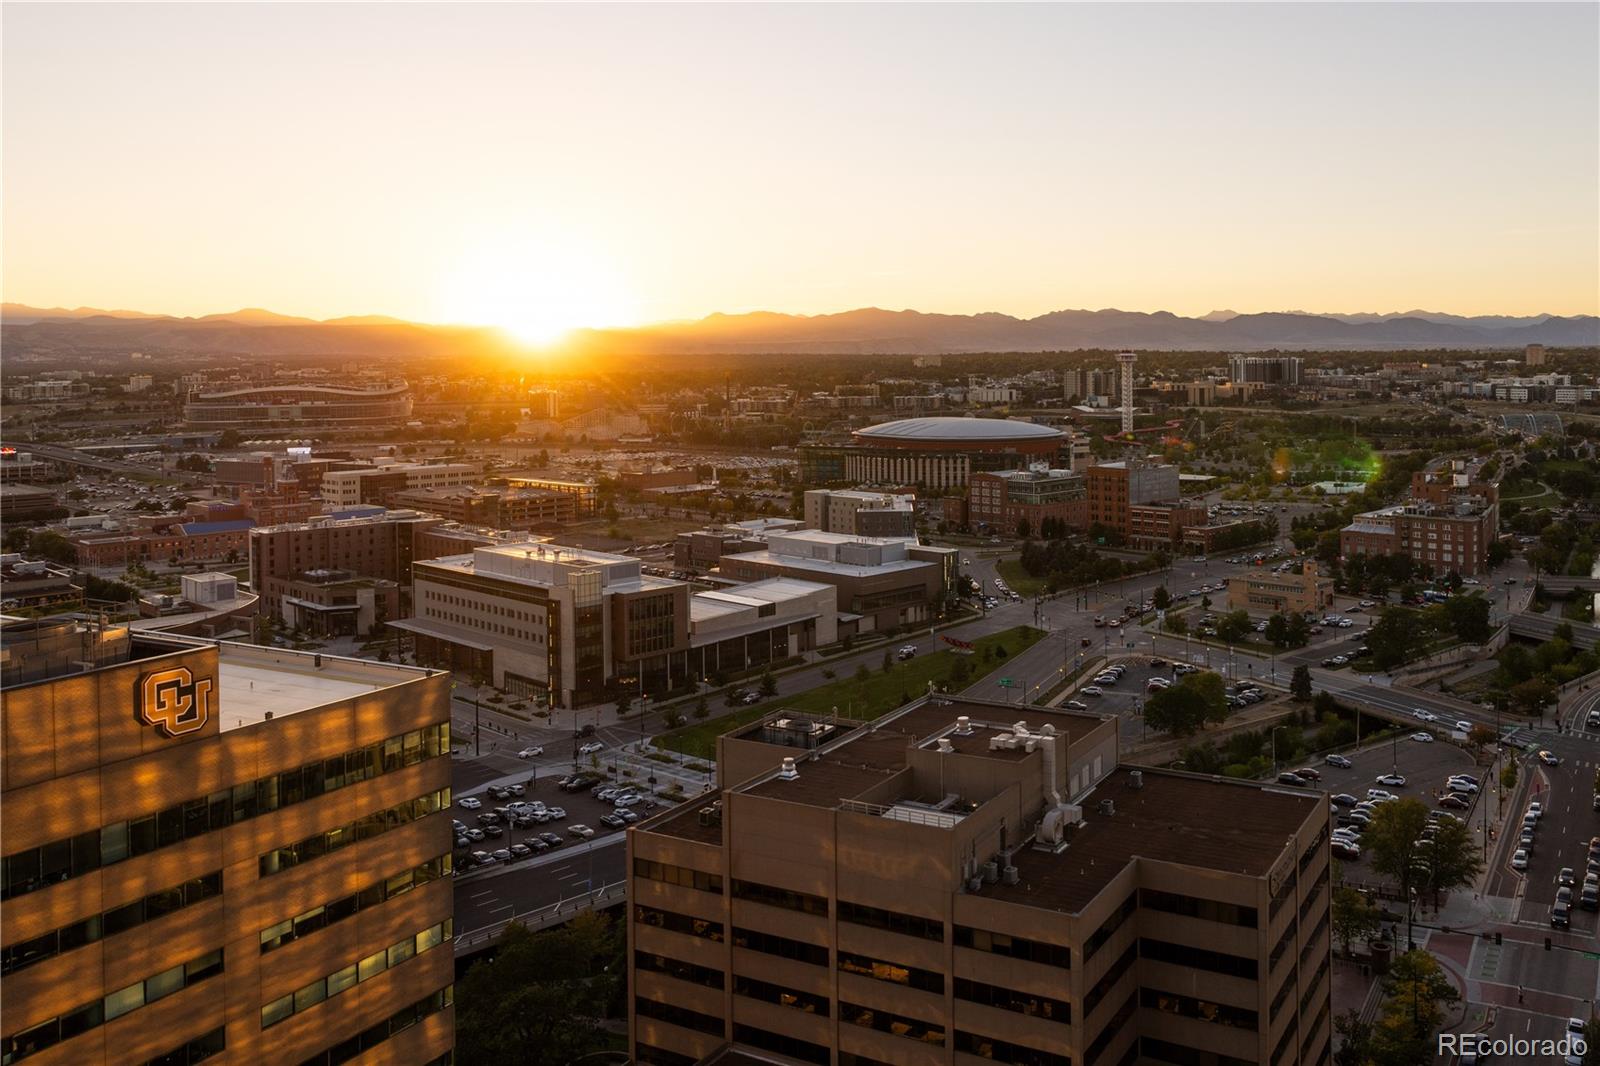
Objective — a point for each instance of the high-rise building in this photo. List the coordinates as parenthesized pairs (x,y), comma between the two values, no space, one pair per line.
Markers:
(221,849)
(1264,369)
(866,514)
(950,884)
(1533,355)
(1448,523)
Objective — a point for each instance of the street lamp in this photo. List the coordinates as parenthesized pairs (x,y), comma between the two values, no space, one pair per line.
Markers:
(1275,747)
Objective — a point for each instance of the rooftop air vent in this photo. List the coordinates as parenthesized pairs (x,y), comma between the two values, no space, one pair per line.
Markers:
(1108,807)
(788,773)
(945,747)
(963,726)
(1009,875)
(1136,779)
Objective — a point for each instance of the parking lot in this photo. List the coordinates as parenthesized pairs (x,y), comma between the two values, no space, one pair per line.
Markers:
(581,808)
(1124,698)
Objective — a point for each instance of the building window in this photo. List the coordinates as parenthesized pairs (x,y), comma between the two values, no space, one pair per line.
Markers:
(683,971)
(808,1002)
(791,1046)
(292,929)
(1108,981)
(1195,907)
(318,991)
(897,1024)
(1029,1003)
(893,972)
(755,892)
(781,946)
(678,923)
(1199,958)
(401,1020)
(1109,927)
(376,824)
(1181,1055)
(680,1016)
(988,1047)
(1198,1009)
(677,875)
(892,921)
(1014,947)
(91,929)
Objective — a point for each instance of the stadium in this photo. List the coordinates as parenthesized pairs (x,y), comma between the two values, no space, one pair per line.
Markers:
(934,453)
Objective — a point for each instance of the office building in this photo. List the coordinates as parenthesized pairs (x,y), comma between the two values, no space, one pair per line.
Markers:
(585,493)
(1160,525)
(1114,488)
(380,484)
(31,583)
(541,619)
(221,850)
(952,885)
(866,514)
(703,549)
(1448,523)
(1265,369)
(888,583)
(999,500)
(1304,591)
(269,407)
(936,453)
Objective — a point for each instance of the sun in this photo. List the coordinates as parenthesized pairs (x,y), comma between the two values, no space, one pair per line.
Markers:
(536,290)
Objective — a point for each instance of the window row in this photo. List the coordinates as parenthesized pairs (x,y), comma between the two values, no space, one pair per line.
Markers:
(679,1016)
(781,946)
(650,1055)
(1108,981)
(793,1047)
(1029,1003)
(772,896)
(1014,947)
(398,1022)
(1183,1055)
(1195,907)
(766,992)
(1112,1028)
(892,921)
(895,1024)
(893,972)
(376,824)
(677,875)
(1198,958)
(120,919)
(674,922)
(1109,927)
(36,868)
(988,1047)
(291,929)
(348,977)
(81,1020)
(195,1051)
(683,971)
(1198,1009)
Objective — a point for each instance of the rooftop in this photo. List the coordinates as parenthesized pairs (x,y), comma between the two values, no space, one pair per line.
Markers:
(1210,823)
(959,429)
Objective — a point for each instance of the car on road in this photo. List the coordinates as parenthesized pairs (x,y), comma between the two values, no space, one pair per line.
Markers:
(1463,726)
(1340,761)
(530,753)
(1549,758)
(469,803)
(1422,738)
(580,830)
(1367,603)
(591,747)
(1393,780)
(909,651)
(750,697)
(1519,860)
(1424,716)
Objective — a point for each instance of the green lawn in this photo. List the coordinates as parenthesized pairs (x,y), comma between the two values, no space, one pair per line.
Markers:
(878,694)
(1021,582)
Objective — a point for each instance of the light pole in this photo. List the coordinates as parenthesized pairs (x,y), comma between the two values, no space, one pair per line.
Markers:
(1275,748)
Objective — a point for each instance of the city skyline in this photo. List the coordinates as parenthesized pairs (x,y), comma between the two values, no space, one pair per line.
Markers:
(541,169)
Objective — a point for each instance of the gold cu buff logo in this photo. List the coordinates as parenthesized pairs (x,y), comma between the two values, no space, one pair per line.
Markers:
(174,702)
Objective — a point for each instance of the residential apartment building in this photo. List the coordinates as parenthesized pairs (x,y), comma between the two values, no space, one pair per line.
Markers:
(886,582)
(497,508)
(542,619)
(221,850)
(1448,523)
(951,886)
(866,514)
(1113,489)
(1305,591)
(1265,369)
(1000,499)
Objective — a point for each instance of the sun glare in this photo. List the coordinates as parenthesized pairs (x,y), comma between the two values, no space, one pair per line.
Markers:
(534,290)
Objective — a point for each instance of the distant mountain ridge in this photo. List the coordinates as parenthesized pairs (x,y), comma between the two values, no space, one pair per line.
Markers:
(864,331)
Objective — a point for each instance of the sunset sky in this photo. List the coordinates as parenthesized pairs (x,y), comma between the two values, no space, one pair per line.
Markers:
(545,167)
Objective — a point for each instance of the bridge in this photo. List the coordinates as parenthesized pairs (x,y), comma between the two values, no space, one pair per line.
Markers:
(1563,585)
(1542,627)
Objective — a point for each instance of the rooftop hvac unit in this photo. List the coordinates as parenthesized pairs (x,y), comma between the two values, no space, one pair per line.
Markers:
(1108,807)
(788,773)
(991,871)
(710,816)
(945,747)
(963,725)
(1009,875)
(1136,779)
(975,884)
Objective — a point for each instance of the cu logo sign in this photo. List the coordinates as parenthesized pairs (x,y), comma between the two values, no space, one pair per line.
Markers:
(174,702)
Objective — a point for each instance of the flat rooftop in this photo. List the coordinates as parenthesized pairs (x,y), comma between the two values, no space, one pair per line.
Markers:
(827,566)
(1210,823)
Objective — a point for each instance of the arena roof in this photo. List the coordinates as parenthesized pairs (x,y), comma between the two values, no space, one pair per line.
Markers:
(959,429)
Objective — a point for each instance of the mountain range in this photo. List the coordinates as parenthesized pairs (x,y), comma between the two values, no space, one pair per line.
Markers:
(864,331)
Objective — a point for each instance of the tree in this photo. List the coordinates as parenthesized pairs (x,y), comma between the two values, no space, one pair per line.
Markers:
(702,706)
(1533,695)
(1480,736)
(1176,623)
(1354,916)
(1234,626)
(228,439)
(1277,631)
(1393,839)
(1450,857)
(1161,598)
(960,672)
(1355,1046)
(48,544)
(1468,617)
(624,702)
(1300,683)
(1183,709)
(1508,777)
(1024,529)
(1396,637)
(888,661)
(769,684)
(1297,633)
(1417,991)
(543,998)
(862,673)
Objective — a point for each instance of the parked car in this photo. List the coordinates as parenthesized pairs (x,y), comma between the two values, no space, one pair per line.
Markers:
(1393,780)
(612,821)
(1344,799)
(580,830)
(521,851)
(1422,738)
(1338,760)
(1380,795)
(1519,860)
(1287,778)
(1455,802)
(469,803)
(1092,690)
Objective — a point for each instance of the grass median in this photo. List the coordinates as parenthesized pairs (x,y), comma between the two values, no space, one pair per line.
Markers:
(860,697)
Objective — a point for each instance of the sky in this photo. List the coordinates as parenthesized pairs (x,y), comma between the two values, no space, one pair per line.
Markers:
(541,167)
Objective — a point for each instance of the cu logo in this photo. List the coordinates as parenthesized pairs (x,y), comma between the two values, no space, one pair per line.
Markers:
(174,702)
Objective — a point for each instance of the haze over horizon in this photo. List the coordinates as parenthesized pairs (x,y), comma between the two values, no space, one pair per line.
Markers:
(545,168)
